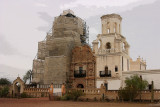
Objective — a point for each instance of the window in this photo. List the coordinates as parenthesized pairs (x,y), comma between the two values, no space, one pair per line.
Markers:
(109,73)
(105,73)
(116,69)
(115,28)
(108,45)
(80,73)
(106,69)
(108,31)
(80,69)
(123,46)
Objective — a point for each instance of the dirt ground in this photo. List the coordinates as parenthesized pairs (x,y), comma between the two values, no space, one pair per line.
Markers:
(44,102)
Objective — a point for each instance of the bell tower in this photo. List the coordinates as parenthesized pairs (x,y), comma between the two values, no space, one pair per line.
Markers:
(111,23)
(111,49)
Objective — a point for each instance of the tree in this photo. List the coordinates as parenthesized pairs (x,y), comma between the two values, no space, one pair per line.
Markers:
(27,76)
(134,85)
(4,81)
(4,91)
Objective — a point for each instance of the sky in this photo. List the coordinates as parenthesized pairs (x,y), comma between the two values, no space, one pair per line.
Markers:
(25,22)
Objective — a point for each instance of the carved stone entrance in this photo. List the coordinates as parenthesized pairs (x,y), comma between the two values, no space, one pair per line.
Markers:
(18,86)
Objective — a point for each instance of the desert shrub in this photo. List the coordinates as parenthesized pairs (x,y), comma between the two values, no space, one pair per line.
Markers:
(4,91)
(73,95)
(67,96)
(133,85)
(42,94)
(126,94)
(25,95)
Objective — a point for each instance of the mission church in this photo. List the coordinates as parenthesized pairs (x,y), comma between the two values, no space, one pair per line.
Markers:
(65,55)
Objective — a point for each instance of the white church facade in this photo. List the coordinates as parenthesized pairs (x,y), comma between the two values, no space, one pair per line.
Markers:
(113,61)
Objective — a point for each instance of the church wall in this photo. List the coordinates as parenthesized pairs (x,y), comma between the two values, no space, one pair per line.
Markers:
(113,84)
(137,65)
(110,61)
(41,50)
(125,64)
(56,48)
(38,71)
(82,70)
(55,69)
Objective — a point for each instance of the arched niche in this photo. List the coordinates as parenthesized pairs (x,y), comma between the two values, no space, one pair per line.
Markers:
(80,86)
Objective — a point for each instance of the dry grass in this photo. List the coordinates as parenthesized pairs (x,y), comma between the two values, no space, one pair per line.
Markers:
(44,102)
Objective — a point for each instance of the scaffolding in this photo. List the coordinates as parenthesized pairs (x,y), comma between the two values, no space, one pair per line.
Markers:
(85,37)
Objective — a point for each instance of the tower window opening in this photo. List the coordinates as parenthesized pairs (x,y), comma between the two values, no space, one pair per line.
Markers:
(116,69)
(108,31)
(99,44)
(114,30)
(115,27)
(108,45)
(123,46)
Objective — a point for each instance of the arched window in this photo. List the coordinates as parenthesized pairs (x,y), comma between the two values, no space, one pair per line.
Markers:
(106,68)
(115,27)
(80,86)
(108,45)
(116,69)
(99,43)
(123,46)
(108,31)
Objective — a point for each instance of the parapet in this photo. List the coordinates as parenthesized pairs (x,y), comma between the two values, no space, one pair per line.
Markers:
(113,15)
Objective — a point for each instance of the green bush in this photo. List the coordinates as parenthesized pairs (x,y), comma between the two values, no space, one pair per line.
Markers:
(133,85)
(4,91)
(67,96)
(73,95)
(24,95)
(42,94)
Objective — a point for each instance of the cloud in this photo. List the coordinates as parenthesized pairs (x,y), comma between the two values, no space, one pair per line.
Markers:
(41,5)
(48,19)
(101,3)
(10,72)
(88,8)
(93,30)
(5,47)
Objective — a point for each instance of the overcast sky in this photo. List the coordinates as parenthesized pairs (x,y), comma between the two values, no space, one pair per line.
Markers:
(25,22)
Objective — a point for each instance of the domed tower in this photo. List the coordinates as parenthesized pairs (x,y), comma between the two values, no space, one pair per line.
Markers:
(111,23)
(111,49)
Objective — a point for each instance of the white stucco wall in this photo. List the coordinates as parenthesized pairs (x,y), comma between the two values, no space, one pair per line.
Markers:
(112,84)
(149,75)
